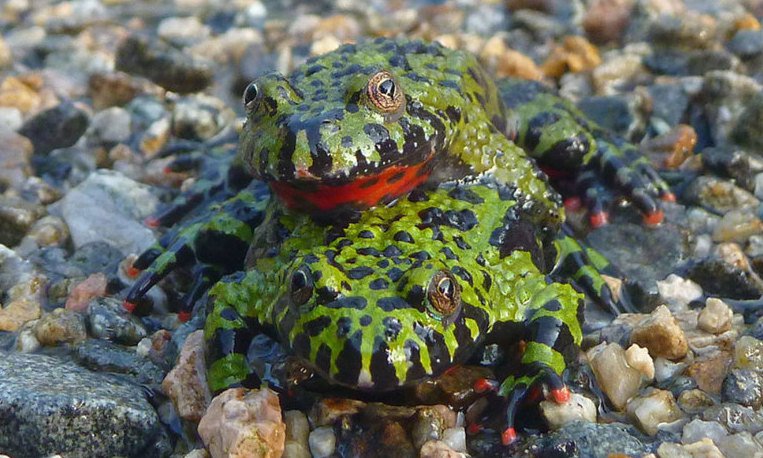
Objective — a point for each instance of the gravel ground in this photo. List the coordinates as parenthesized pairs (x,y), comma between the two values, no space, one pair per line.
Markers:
(96,96)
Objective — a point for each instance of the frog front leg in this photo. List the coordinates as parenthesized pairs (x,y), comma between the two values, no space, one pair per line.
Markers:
(213,243)
(551,320)
(557,134)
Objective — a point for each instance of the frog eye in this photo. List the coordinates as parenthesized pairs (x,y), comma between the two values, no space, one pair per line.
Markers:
(250,94)
(384,93)
(301,287)
(444,293)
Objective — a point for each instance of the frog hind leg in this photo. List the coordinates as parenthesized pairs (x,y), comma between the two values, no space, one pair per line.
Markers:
(559,137)
(214,245)
(228,335)
(585,268)
(553,334)
(220,176)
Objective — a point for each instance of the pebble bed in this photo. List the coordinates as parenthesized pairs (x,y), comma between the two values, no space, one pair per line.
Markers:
(93,93)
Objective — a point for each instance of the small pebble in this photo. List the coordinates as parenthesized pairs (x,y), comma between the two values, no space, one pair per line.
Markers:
(715,317)
(661,335)
(653,409)
(322,441)
(578,408)
(60,326)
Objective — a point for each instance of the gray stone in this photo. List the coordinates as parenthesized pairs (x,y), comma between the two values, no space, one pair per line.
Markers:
(57,127)
(107,319)
(747,43)
(48,407)
(108,207)
(743,386)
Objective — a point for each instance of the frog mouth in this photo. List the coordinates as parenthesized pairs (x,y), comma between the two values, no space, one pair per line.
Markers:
(361,193)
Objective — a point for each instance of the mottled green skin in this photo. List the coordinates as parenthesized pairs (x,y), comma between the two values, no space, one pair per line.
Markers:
(318,126)
(368,323)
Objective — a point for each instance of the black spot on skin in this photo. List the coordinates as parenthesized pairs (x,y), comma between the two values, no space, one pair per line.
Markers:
(403,236)
(386,147)
(392,327)
(416,297)
(347,141)
(392,251)
(365,234)
(325,295)
(352,103)
(535,128)
(361,272)
(419,111)
(229,314)
(451,84)
(323,358)
(314,69)
(365,320)
(414,47)
(346,71)
(399,61)
(383,263)
(438,351)
(382,371)
(418,195)
(465,194)
(487,280)
(416,370)
(343,326)
(570,151)
(351,302)
(369,183)
(463,274)
(379,284)
(344,243)
(394,274)
(461,243)
(552,305)
(449,254)
(420,256)
(413,76)
(453,113)
(348,360)
(316,326)
(311,259)
(415,142)
(396,177)
(463,220)
(499,122)
(389,304)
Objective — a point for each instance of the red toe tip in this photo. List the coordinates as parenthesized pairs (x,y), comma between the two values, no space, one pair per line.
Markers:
(654,219)
(167,170)
(668,197)
(129,306)
(483,385)
(599,219)
(151,222)
(561,395)
(508,436)
(474,428)
(184,316)
(573,204)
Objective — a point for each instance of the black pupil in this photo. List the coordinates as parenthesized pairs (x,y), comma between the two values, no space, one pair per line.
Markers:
(446,287)
(250,93)
(387,87)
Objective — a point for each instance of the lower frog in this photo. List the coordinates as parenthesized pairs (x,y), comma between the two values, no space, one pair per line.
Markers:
(402,293)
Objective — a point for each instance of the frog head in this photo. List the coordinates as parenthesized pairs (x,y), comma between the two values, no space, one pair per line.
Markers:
(355,127)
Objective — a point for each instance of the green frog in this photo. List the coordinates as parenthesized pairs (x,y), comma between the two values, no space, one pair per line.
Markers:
(398,295)
(407,146)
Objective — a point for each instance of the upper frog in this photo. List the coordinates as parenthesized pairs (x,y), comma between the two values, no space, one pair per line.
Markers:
(363,124)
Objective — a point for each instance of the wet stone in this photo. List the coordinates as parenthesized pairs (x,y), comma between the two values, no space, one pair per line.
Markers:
(104,356)
(661,335)
(110,126)
(59,327)
(669,102)
(644,257)
(743,386)
(616,113)
(746,133)
(162,64)
(16,218)
(95,257)
(47,406)
(57,127)
(589,439)
(108,207)
(702,62)
(731,163)
(322,441)
(698,429)
(742,444)
(107,319)
(747,43)
(719,195)
(735,418)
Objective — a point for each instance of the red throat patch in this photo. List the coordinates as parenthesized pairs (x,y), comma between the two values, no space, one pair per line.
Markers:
(362,193)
